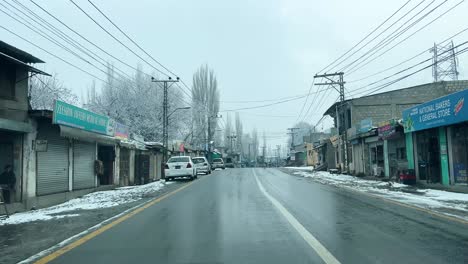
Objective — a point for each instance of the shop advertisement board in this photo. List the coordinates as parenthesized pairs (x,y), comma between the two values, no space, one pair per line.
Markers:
(387,129)
(121,131)
(73,116)
(365,125)
(443,111)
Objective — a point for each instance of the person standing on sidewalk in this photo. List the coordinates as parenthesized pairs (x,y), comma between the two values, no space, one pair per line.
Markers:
(7,182)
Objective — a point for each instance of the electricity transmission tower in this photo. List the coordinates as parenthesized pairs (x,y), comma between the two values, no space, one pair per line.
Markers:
(342,117)
(444,62)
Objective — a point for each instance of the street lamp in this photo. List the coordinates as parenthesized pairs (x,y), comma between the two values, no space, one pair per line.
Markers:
(179,108)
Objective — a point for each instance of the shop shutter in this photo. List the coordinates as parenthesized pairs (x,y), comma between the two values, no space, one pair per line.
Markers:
(84,155)
(52,165)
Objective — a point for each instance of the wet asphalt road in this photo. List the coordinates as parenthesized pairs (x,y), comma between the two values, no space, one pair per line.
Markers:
(226,218)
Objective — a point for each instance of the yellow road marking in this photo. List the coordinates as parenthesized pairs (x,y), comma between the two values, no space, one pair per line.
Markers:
(84,239)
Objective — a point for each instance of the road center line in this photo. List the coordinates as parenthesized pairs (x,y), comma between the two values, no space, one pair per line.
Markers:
(326,256)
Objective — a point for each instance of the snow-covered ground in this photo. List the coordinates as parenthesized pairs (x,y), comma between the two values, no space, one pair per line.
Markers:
(95,200)
(449,203)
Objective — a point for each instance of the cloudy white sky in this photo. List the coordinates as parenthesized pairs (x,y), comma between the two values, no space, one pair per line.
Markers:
(260,50)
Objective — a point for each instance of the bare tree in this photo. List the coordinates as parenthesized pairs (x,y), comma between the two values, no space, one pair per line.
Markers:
(137,103)
(205,103)
(228,133)
(255,144)
(45,90)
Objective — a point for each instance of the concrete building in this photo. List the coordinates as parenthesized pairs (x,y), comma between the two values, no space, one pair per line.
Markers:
(16,130)
(368,153)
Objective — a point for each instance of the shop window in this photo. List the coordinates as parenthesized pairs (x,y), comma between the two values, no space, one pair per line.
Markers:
(7,80)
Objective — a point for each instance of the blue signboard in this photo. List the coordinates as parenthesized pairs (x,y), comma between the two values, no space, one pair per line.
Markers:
(442,111)
(365,125)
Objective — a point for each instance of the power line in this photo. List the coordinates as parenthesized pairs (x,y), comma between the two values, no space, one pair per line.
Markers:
(368,35)
(415,56)
(74,66)
(380,46)
(136,44)
(406,69)
(51,39)
(266,100)
(69,40)
(121,31)
(261,106)
(380,87)
(306,100)
(62,35)
(88,41)
(390,37)
(116,39)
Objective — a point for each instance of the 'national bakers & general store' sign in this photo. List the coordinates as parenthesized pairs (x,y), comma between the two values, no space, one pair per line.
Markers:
(442,111)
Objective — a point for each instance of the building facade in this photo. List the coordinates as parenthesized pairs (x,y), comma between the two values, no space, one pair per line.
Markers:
(376,141)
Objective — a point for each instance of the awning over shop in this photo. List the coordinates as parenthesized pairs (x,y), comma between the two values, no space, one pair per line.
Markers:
(86,136)
(7,124)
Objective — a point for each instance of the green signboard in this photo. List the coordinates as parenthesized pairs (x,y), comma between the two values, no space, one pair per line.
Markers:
(72,116)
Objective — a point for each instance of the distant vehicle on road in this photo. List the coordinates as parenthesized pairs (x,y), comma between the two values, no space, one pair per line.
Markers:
(229,163)
(218,163)
(180,167)
(202,165)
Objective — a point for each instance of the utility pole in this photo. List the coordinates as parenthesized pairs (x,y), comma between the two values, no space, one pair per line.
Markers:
(231,137)
(342,116)
(292,133)
(277,155)
(165,115)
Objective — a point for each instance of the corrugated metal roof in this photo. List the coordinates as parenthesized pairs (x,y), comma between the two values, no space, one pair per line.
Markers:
(21,63)
(18,54)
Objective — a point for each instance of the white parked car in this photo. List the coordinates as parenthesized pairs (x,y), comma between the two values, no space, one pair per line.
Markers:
(202,165)
(180,167)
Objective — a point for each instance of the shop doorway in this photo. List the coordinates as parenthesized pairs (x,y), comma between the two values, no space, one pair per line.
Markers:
(106,154)
(376,159)
(428,155)
(142,169)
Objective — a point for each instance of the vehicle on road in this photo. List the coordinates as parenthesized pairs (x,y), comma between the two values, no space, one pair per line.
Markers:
(229,163)
(180,167)
(218,163)
(202,165)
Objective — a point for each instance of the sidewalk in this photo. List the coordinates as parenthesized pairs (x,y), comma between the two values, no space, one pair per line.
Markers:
(449,203)
(27,233)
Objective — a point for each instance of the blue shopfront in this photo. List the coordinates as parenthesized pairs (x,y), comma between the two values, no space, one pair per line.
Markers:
(436,134)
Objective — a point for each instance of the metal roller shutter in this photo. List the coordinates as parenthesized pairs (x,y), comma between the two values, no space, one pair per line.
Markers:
(84,155)
(52,165)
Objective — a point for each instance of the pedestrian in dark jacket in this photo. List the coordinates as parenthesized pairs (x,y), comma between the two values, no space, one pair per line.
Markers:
(8,181)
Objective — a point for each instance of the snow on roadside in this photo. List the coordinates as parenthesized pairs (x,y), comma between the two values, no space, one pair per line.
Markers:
(445,202)
(309,168)
(95,200)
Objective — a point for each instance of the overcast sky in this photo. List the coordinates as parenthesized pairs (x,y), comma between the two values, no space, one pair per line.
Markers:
(260,50)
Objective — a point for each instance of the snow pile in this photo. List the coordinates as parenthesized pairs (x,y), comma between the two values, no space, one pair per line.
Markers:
(309,168)
(455,204)
(95,200)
